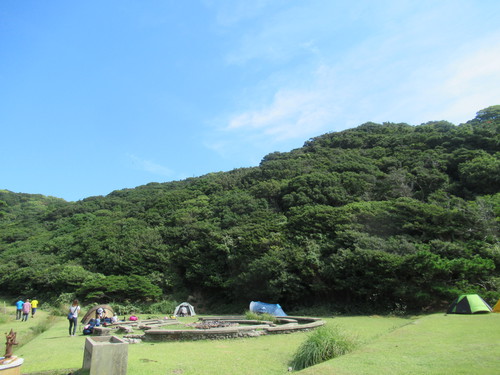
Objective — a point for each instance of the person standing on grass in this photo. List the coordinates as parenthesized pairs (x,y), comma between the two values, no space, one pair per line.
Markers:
(26,310)
(19,308)
(34,306)
(73,317)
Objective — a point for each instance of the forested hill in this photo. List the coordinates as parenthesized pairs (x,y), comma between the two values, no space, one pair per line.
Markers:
(384,214)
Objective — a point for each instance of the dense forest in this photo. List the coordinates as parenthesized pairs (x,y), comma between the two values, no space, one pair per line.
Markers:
(383,215)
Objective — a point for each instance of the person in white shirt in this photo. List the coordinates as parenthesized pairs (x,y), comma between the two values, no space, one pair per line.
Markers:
(73,317)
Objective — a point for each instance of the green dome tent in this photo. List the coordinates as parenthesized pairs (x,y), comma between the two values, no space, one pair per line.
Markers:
(469,304)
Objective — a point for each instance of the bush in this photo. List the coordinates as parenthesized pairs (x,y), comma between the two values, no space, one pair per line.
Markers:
(326,309)
(61,304)
(165,307)
(323,344)
(126,309)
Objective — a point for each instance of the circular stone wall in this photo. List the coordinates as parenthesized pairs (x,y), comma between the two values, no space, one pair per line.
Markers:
(243,328)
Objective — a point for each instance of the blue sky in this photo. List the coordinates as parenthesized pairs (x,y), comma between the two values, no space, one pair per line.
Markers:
(97,96)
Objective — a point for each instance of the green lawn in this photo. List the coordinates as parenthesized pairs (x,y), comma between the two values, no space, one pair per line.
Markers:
(435,344)
(432,344)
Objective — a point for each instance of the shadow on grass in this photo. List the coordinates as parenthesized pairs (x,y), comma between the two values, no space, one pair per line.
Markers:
(61,337)
(62,372)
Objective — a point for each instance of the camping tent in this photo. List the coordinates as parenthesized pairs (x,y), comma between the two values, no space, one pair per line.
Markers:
(108,312)
(267,308)
(469,304)
(190,309)
(496,308)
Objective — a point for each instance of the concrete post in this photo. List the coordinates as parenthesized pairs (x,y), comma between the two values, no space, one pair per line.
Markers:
(105,355)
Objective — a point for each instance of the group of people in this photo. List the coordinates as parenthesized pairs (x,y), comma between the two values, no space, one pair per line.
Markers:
(25,308)
(100,318)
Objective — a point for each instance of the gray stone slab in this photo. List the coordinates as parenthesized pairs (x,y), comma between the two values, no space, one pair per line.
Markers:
(105,355)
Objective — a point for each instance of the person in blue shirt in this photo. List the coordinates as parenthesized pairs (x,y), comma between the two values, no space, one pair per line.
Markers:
(19,309)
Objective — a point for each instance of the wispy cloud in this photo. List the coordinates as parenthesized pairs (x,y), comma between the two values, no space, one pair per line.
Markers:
(150,166)
(292,114)
(474,80)
(412,64)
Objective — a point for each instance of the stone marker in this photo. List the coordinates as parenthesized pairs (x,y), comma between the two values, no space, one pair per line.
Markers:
(105,355)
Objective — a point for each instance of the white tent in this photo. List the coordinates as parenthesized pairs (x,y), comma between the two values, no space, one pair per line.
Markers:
(189,309)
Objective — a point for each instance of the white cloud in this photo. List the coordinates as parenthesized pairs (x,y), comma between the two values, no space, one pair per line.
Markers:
(416,67)
(292,114)
(149,166)
(474,81)
(453,86)
(385,87)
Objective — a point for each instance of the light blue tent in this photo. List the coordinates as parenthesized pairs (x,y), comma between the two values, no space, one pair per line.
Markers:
(266,308)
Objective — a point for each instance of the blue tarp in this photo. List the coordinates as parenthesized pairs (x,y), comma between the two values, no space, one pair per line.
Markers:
(267,308)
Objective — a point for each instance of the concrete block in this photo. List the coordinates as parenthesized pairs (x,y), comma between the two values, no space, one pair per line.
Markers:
(105,355)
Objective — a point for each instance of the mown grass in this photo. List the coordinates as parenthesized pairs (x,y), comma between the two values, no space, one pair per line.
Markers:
(434,344)
(25,331)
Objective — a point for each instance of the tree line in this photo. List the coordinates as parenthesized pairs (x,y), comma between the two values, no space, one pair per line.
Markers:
(381,215)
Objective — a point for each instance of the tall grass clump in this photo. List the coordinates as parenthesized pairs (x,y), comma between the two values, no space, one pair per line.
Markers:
(323,344)
(43,325)
(250,315)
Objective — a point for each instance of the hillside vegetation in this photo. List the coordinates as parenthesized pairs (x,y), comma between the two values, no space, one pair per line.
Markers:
(388,215)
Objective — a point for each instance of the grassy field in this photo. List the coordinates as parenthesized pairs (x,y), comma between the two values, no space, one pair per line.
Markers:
(435,344)
(432,344)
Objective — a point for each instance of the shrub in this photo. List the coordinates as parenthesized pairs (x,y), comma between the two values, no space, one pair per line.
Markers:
(323,344)
(165,307)
(399,309)
(61,304)
(126,309)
